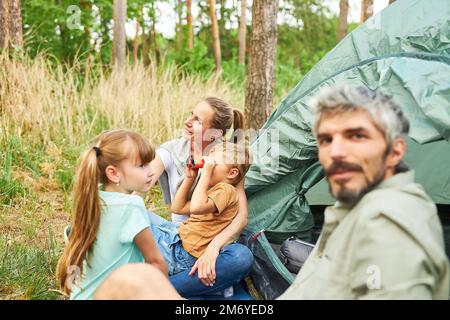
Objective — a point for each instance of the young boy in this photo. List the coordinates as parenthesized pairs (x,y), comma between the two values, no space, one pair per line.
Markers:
(212,207)
(214,201)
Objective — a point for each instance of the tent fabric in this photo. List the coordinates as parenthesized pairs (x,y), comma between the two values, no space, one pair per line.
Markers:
(405,51)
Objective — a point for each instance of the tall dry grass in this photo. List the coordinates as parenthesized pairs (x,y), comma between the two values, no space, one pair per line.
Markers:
(48,113)
(44,102)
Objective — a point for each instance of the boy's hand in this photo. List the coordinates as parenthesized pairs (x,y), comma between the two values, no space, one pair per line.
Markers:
(210,163)
(190,173)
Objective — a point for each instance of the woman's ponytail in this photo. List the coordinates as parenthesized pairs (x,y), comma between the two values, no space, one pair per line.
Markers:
(238,119)
(238,126)
(225,117)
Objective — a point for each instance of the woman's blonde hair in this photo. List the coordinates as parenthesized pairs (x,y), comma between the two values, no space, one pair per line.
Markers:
(225,115)
(109,148)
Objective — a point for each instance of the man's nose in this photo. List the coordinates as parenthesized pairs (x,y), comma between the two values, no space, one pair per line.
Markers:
(338,149)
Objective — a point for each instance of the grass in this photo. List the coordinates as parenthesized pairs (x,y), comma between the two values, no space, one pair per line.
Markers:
(47,118)
(26,272)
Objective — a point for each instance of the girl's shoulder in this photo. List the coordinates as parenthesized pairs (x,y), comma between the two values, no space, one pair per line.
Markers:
(118,198)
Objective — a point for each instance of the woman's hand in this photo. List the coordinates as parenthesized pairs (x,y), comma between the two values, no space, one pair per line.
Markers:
(196,147)
(206,266)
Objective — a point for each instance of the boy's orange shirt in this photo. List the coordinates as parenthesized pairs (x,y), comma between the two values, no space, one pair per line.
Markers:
(198,231)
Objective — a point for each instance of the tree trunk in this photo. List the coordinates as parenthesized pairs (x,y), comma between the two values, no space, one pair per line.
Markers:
(153,33)
(145,40)
(366,10)
(136,42)
(216,40)
(190,30)
(119,37)
(10,24)
(221,21)
(242,31)
(179,26)
(261,70)
(145,48)
(62,33)
(343,14)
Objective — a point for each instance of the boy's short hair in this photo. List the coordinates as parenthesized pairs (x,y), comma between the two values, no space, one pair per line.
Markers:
(235,156)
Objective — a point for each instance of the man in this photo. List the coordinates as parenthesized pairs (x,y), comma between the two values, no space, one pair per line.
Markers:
(382,238)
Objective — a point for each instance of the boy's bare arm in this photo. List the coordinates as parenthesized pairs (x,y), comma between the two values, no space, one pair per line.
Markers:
(200,203)
(180,203)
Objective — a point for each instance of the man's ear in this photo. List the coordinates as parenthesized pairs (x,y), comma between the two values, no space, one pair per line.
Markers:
(112,174)
(233,173)
(397,152)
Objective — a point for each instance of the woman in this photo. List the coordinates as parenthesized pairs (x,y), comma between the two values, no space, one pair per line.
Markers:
(224,263)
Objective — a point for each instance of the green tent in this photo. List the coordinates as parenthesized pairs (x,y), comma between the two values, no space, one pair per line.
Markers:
(405,51)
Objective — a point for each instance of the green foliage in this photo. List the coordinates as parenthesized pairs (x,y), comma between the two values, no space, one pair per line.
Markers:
(310,37)
(199,61)
(68,30)
(303,40)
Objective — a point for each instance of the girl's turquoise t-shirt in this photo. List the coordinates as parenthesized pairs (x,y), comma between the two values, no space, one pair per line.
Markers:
(123,217)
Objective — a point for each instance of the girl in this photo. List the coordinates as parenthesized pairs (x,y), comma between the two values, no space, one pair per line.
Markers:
(110,226)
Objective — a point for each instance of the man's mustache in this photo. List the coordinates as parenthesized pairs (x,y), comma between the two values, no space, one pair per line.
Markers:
(341,165)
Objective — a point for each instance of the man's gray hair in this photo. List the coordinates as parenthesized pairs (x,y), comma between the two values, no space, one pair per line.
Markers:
(386,115)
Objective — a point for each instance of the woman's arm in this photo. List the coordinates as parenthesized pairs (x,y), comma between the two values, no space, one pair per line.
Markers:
(146,244)
(157,166)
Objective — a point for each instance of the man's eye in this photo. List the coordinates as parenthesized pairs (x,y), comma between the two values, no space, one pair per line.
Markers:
(358,136)
(324,141)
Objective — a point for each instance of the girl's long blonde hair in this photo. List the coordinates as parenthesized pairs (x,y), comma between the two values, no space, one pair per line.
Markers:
(109,148)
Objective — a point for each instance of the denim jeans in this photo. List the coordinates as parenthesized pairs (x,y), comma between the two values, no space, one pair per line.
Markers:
(232,265)
(169,244)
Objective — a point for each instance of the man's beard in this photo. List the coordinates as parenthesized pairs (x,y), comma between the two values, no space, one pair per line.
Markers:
(351,197)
